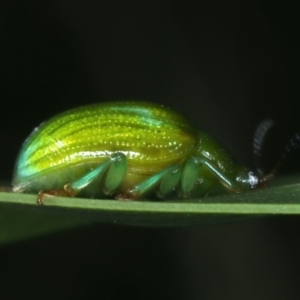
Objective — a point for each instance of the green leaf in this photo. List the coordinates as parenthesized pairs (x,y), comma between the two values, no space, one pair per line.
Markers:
(21,217)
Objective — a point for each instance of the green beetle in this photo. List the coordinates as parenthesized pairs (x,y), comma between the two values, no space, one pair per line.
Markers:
(126,150)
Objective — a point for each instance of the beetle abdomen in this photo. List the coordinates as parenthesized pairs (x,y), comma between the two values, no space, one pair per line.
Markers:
(150,136)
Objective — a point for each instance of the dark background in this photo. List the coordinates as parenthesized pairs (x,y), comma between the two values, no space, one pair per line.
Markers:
(226,65)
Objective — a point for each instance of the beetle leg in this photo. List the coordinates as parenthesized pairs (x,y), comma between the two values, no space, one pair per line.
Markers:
(189,175)
(169,181)
(115,168)
(115,173)
(164,181)
(6,189)
(54,192)
(227,182)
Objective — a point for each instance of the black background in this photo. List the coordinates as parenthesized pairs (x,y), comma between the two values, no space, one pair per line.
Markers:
(226,65)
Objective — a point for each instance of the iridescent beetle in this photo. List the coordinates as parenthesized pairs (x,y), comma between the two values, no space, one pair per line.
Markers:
(125,150)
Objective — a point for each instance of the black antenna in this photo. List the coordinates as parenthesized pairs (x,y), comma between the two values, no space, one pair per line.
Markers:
(258,142)
(294,144)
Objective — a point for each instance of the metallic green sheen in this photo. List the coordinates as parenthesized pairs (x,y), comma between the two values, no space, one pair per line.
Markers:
(151,138)
(72,143)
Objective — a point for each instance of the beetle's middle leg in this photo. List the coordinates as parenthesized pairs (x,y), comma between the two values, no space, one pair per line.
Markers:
(163,183)
(114,169)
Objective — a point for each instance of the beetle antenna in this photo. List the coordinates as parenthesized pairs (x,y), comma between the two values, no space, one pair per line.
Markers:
(258,143)
(259,138)
(294,144)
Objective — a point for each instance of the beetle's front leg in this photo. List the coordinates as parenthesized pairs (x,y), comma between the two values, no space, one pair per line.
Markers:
(114,169)
(190,174)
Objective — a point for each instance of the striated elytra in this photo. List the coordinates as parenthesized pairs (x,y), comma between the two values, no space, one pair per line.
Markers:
(126,150)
